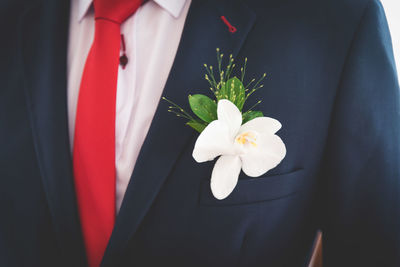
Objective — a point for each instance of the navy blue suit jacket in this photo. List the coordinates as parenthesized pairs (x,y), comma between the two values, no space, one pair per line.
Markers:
(332,83)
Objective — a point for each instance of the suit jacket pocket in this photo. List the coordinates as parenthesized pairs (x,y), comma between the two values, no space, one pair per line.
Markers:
(256,189)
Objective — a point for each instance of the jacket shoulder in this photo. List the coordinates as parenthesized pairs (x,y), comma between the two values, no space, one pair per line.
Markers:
(341,13)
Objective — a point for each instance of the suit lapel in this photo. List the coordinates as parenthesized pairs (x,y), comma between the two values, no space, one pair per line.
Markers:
(204,31)
(43,42)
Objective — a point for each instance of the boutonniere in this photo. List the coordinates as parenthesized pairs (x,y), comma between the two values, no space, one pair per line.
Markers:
(243,140)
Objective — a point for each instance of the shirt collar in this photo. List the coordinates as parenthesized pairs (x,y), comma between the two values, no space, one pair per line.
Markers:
(174,7)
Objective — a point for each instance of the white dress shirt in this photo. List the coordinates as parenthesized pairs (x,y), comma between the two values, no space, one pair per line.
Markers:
(152,36)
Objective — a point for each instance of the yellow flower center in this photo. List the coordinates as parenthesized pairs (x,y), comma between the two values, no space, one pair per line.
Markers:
(246,138)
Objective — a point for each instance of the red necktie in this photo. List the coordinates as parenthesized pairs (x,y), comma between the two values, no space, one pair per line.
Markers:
(94,141)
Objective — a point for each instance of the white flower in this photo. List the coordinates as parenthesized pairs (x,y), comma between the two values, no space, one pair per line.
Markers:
(252,147)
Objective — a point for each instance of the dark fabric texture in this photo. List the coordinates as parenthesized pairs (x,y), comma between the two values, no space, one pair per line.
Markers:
(331,83)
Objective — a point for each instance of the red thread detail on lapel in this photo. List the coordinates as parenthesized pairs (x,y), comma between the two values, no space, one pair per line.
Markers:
(232,29)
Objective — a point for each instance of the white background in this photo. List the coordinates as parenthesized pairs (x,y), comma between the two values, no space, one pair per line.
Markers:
(392,8)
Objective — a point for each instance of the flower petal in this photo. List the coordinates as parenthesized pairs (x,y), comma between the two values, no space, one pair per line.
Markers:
(229,113)
(225,176)
(268,153)
(213,141)
(261,125)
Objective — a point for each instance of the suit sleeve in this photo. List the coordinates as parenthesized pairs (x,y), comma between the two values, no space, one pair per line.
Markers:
(360,181)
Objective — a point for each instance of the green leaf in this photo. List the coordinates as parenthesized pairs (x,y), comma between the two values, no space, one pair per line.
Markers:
(248,116)
(234,91)
(203,107)
(198,126)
